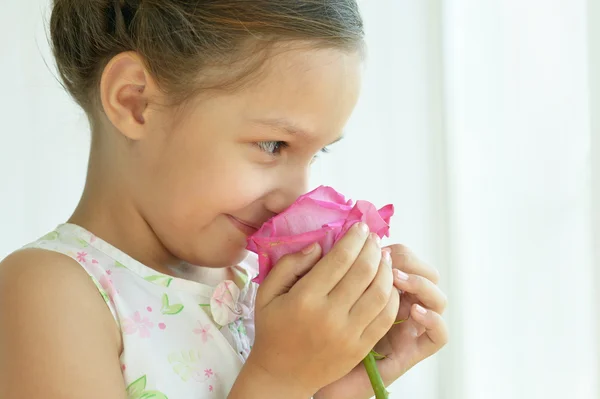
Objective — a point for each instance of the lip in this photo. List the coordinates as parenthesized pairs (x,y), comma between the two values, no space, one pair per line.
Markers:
(245,227)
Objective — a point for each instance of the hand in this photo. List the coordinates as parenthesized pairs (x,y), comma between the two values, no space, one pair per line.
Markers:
(408,342)
(314,324)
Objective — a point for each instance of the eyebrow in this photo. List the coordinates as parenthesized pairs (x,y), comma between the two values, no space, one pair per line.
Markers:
(289,127)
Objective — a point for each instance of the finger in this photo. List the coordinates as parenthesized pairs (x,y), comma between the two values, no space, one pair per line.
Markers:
(333,266)
(289,270)
(375,298)
(383,322)
(406,302)
(405,260)
(436,330)
(361,274)
(410,329)
(422,289)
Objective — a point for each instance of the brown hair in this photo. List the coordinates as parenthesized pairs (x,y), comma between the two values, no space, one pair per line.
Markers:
(180,39)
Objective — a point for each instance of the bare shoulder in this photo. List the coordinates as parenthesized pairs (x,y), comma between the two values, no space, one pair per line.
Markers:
(30,263)
(58,338)
(48,281)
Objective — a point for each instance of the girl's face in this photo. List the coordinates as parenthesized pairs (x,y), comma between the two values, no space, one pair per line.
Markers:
(232,161)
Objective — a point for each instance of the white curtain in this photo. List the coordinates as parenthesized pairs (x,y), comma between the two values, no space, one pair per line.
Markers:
(518,112)
(479,120)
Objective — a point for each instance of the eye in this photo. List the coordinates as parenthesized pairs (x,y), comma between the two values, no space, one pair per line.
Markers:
(324,150)
(272,147)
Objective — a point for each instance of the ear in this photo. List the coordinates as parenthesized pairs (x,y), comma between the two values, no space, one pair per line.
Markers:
(126,89)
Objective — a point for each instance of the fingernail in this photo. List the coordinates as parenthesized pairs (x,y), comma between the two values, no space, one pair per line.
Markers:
(376,238)
(421,309)
(400,275)
(363,228)
(386,257)
(309,249)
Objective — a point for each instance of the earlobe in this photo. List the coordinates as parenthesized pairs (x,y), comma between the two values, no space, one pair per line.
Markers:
(125,91)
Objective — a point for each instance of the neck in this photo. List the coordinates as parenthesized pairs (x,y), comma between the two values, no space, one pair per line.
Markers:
(107,210)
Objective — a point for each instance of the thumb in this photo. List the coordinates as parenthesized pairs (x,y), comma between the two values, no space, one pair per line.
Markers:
(286,273)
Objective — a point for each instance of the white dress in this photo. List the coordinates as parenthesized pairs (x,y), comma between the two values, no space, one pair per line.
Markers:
(181,339)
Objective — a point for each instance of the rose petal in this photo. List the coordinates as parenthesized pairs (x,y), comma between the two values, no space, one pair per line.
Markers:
(270,249)
(322,216)
(327,194)
(387,212)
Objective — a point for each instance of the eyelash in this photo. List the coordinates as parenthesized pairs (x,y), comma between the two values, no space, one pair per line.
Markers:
(274,147)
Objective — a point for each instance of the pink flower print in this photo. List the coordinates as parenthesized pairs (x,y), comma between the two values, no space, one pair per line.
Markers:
(208,373)
(203,331)
(137,324)
(223,303)
(95,262)
(210,388)
(108,286)
(162,326)
(223,293)
(92,238)
(81,257)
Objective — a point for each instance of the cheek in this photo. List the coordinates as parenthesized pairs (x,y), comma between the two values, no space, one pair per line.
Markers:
(227,191)
(195,177)
(198,191)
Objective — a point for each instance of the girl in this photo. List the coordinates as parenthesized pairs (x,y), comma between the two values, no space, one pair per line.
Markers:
(205,118)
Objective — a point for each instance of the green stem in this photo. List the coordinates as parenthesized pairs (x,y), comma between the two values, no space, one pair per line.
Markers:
(375,377)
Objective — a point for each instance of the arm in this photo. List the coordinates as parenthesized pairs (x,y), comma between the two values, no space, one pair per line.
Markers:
(254,382)
(58,339)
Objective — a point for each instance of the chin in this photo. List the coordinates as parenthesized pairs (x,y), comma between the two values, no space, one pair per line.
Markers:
(225,258)
(214,247)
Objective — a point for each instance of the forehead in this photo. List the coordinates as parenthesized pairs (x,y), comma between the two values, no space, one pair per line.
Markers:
(316,88)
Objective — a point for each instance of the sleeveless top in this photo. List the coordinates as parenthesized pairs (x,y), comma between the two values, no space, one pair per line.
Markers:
(181,339)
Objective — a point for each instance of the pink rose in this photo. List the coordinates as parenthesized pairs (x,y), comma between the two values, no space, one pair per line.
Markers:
(322,216)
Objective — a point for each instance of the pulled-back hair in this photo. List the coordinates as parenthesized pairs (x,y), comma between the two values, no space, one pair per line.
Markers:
(183,42)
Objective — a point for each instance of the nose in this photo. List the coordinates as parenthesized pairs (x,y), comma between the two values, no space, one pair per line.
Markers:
(289,188)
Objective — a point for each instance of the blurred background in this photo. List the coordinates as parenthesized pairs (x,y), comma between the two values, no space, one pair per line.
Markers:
(479,120)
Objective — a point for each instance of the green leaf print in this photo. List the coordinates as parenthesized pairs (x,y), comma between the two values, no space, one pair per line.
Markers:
(206,308)
(104,296)
(244,277)
(184,363)
(83,243)
(50,236)
(153,395)
(136,388)
(119,265)
(165,281)
(242,328)
(168,309)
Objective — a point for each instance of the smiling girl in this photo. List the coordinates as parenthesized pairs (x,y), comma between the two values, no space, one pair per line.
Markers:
(205,118)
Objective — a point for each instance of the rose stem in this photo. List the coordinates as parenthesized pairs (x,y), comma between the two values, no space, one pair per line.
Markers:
(375,377)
